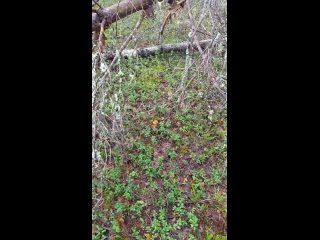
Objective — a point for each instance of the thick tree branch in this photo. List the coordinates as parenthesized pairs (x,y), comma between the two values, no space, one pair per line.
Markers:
(120,10)
(149,51)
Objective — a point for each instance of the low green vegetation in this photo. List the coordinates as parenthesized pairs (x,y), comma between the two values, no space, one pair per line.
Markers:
(166,174)
(167,180)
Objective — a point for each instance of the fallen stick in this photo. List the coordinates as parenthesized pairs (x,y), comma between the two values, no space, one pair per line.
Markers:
(151,51)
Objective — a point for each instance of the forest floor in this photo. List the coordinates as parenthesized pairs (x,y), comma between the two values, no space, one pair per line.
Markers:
(167,177)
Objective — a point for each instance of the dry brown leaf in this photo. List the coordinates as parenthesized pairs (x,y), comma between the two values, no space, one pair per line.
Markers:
(155,123)
(121,221)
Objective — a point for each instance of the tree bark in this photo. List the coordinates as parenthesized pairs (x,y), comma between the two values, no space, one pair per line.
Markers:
(118,11)
(150,51)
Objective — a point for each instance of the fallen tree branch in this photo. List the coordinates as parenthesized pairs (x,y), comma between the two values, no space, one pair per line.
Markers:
(150,51)
(121,10)
(104,17)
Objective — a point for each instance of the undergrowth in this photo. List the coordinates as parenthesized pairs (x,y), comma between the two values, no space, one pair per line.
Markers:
(167,178)
(165,173)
